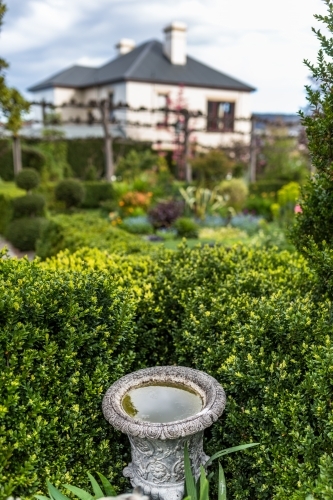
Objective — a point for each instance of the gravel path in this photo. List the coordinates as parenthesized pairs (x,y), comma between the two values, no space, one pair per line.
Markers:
(13,252)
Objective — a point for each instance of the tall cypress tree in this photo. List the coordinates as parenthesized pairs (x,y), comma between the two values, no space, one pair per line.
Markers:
(315,223)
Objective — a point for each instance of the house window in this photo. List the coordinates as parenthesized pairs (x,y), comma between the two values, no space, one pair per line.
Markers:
(221,116)
(163,105)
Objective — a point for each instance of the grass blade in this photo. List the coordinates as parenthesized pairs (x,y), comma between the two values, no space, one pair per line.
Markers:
(189,479)
(55,493)
(96,487)
(230,450)
(82,494)
(222,485)
(108,488)
(41,497)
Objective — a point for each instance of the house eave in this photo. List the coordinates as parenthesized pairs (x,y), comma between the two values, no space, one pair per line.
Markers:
(139,80)
(171,83)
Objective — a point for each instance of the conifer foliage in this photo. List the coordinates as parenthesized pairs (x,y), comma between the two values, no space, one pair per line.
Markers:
(314,224)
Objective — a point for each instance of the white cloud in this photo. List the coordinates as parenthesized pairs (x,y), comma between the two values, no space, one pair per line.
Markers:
(262,42)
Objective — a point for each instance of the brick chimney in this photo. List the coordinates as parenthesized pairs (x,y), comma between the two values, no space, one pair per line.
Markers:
(125,45)
(175,43)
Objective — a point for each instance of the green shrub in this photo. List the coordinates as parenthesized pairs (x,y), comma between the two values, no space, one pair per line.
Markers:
(30,205)
(266,186)
(46,189)
(211,168)
(70,191)
(186,228)
(6,160)
(6,212)
(137,225)
(322,489)
(96,192)
(260,205)
(234,192)
(27,179)
(86,230)
(23,233)
(246,316)
(31,158)
(136,162)
(91,173)
(65,337)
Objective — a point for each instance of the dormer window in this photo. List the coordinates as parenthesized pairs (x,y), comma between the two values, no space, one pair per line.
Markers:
(220,116)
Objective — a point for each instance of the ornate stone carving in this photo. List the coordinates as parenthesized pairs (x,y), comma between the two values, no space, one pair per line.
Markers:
(158,449)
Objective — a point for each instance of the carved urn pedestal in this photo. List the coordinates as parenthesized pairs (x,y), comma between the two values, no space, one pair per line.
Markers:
(158,446)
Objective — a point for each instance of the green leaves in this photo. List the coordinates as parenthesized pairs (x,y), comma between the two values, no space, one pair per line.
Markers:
(56,494)
(222,491)
(189,479)
(66,336)
(220,454)
(108,488)
(200,491)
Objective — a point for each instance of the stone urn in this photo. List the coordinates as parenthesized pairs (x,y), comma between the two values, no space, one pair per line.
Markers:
(161,409)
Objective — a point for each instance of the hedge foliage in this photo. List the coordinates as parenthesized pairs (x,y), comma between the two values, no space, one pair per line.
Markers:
(248,317)
(52,157)
(70,191)
(24,232)
(28,205)
(80,230)
(27,179)
(6,212)
(96,192)
(64,338)
(31,158)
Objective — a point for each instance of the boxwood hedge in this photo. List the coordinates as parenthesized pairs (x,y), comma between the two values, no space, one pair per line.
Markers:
(80,230)
(249,317)
(64,338)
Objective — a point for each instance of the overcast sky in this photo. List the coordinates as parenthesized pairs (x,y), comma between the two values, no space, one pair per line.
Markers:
(261,42)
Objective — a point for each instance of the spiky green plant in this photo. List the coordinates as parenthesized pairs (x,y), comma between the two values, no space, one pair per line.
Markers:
(199,490)
(105,490)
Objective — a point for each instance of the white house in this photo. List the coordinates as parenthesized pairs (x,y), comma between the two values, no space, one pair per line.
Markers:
(153,75)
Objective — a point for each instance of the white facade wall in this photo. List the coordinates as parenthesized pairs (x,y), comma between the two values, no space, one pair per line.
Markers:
(193,99)
(149,96)
(59,96)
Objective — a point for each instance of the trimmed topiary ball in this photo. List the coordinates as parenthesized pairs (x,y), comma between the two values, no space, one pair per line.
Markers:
(70,191)
(31,205)
(186,228)
(23,233)
(27,179)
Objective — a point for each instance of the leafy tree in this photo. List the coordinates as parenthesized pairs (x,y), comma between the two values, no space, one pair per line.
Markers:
(3,63)
(13,106)
(314,224)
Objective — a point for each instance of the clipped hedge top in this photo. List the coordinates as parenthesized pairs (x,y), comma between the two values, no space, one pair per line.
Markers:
(65,338)
(80,230)
(71,325)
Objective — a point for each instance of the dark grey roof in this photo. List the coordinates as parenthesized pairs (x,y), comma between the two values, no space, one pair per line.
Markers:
(145,63)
